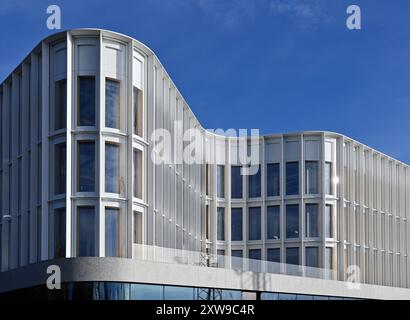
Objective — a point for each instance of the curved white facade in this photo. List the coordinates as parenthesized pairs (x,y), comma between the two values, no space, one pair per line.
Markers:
(77,175)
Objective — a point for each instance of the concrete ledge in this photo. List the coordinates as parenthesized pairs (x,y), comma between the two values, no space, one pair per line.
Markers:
(140,271)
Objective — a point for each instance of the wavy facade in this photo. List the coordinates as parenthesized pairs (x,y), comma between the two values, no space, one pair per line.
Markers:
(79,177)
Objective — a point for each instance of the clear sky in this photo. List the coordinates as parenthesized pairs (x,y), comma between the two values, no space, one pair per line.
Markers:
(275,65)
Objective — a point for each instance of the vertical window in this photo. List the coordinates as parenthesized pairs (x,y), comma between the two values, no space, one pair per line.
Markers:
(138,112)
(112,232)
(137,228)
(273,179)
(112,168)
(254,223)
(60,168)
(60,104)
(273,222)
(292,256)
(273,255)
(86,166)
(86,101)
(312,257)
(255,184)
(236,224)
(254,254)
(237,259)
(137,174)
(329,221)
(86,232)
(311,177)
(311,220)
(220,181)
(292,178)
(328,258)
(220,223)
(59,232)
(112,104)
(236,182)
(328,178)
(292,221)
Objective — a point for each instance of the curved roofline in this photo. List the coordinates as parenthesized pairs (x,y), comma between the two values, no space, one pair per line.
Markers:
(149,51)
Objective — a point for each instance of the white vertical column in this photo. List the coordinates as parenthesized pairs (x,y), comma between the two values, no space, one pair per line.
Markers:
(69,152)
(100,123)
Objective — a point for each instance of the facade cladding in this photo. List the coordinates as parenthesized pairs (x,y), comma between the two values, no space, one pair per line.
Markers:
(77,177)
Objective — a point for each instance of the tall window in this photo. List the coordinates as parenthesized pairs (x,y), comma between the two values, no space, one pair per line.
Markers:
(292,256)
(292,178)
(254,220)
(329,258)
(273,254)
(273,179)
(236,182)
(312,257)
(329,221)
(137,228)
(60,104)
(237,259)
(138,112)
(86,101)
(292,221)
(86,232)
(112,103)
(137,174)
(112,168)
(112,232)
(86,166)
(220,181)
(220,223)
(273,222)
(311,220)
(60,169)
(236,224)
(255,184)
(311,177)
(59,232)
(328,178)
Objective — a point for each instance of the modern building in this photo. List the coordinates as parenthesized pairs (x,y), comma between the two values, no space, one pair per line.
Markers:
(82,177)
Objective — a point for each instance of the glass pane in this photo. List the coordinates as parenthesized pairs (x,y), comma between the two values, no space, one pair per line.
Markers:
(273,255)
(178,293)
(312,257)
(273,222)
(112,104)
(255,254)
(112,232)
(60,104)
(329,258)
(86,166)
(237,259)
(328,178)
(86,101)
(138,113)
(220,180)
(236,182)
(137,232)
(292,256)
(220,224)
(60,168)
(112,169)
(255,223)
(273,179)
(59,232)
(292,221)
(137,170)
(311,177)
(236,224)
(292,178)
(255,184)
(311,220)
(86,232)
(329,221)
(146,292)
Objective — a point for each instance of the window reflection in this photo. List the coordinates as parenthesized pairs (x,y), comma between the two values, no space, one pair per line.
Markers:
(112,169)
(112,232)
(292,178)
(292,221)
(255,184)
(254,223)
(272,179)
(86,232)
(273,222)
(236,224)
(86,166)
(236,182)
(86,101)
(112,104)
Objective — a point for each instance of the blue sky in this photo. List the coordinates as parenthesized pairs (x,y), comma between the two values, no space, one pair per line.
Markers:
(276,65)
